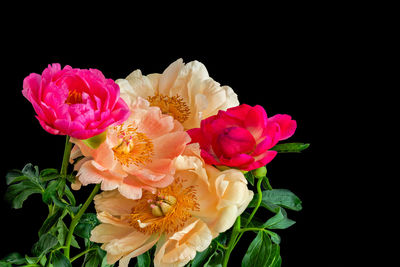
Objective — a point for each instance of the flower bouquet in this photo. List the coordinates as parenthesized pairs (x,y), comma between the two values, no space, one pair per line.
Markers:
(176,164)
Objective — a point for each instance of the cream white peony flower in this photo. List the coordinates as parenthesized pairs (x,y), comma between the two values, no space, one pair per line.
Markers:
(184,91)
(181,219)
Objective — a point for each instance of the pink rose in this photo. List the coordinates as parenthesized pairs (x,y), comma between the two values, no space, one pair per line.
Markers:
(80,103)
(241,136)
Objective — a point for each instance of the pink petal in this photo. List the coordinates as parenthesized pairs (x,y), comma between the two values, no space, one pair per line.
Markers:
(256,121)
(286,124)
(264,159)
(266,144)
(235,141)
(208,158)
(240,161)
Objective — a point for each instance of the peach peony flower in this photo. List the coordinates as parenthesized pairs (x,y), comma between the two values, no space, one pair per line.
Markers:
(181,219)
(136,154)
(185,92)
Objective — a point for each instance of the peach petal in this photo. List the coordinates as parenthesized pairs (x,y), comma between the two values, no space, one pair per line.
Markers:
(170,145)
(107,232)
(146,246)
(113,203)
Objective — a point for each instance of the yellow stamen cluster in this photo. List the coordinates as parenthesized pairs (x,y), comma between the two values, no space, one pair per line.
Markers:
(171,105)
(74,97)
(133,148)
(164,212)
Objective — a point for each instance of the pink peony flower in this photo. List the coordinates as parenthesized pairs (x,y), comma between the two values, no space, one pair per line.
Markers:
(241,137)
(80,103)
(138,154)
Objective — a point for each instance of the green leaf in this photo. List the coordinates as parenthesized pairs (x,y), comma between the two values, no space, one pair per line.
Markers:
(255,221)
(31,260)
(16,194)
(279,221)
(14,176)
(50,222)
(202,257)
(274,237)
(50,191)
(95,257)
(46,242)
(86,224)
(48,175)
(280,197)
(261,251)
(13,258)
(95,141)
(58,259)
(216,259)
(250,177)
(274,255)
(70,195)
(32,172)
(290,147)
(62,232)
(144,260)
(277,262)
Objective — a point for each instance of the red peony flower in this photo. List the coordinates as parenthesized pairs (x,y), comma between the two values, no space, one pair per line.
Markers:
(241,137)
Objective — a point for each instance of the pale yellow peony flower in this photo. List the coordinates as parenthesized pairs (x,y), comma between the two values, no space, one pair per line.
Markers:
(184,91)
(181,219)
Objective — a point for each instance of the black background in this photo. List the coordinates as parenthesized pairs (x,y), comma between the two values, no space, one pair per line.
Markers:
(307,81)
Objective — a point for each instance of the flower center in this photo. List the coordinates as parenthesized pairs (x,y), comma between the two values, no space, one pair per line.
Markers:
(164,212)
(133,147)
(74,97)
(171,105)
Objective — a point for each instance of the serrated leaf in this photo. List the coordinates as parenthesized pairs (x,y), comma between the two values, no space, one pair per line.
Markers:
(290,147)
(58,259)
(46,242)
(16,194)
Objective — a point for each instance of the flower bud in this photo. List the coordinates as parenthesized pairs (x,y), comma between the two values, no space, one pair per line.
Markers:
(260,172)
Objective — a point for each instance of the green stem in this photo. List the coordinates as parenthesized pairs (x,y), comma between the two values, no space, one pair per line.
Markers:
(76,219)
(82,253)
(259,199)
(232,242)
(221,246)
(67,153)
(251,229)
